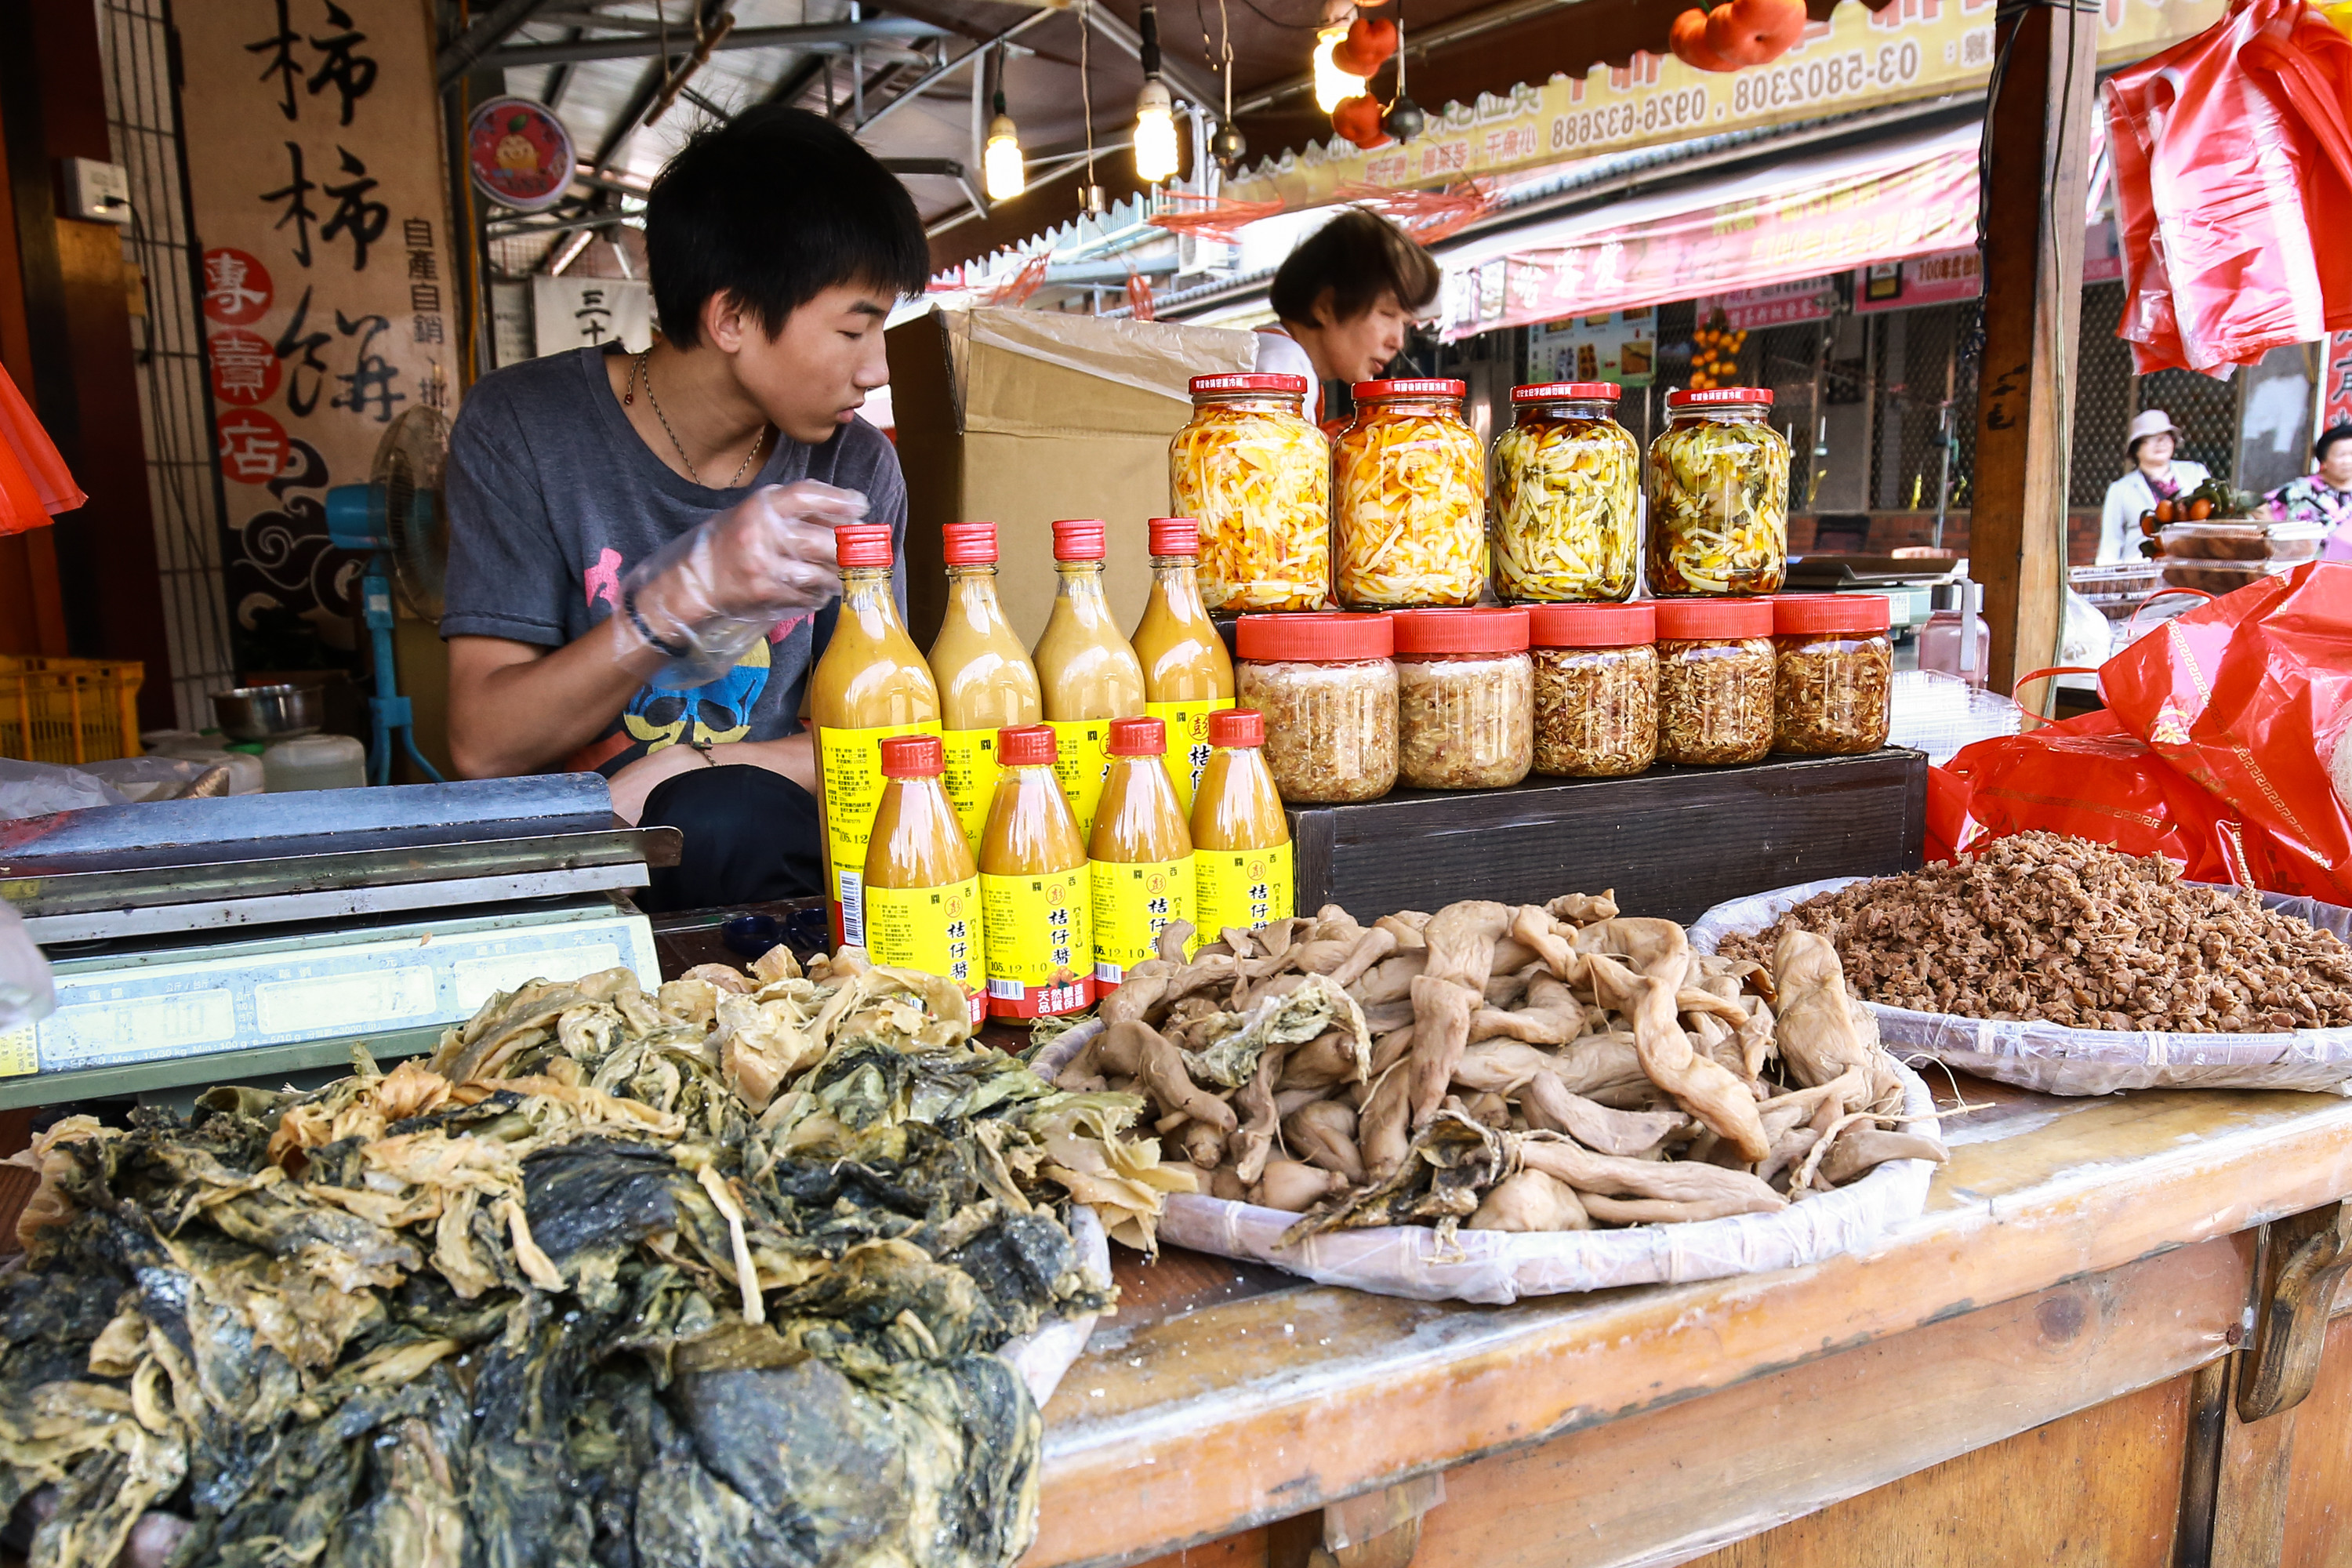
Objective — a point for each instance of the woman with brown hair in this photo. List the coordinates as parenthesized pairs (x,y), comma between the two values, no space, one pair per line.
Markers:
(1344,299)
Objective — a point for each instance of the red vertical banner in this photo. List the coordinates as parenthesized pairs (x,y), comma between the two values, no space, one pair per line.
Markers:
(2335,386)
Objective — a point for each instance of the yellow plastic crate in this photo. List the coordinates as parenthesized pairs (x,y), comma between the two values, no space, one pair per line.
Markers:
(68,710)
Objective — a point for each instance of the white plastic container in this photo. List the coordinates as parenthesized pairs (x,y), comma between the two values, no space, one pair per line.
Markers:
(314,761)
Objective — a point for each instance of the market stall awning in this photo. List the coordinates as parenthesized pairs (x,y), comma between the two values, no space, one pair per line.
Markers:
(1903,197)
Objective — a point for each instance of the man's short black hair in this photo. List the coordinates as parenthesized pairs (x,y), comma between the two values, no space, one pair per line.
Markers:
(2328,438)
(775,206)
(1358,256)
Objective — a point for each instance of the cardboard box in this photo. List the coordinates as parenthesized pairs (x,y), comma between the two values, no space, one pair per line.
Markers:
(1017,417)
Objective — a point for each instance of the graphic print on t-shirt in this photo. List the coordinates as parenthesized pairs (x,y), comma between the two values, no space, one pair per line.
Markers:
(660,718)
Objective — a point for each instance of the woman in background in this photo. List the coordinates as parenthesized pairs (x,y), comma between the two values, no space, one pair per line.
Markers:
(2155,477)
(2324,497)
(1344,299)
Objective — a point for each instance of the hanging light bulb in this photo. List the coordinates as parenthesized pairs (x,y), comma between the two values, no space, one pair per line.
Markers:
(1155,113)
(1001,165)
(1155,133)
(1333,84)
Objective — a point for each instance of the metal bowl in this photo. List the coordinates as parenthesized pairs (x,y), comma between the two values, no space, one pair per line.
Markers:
(266,712)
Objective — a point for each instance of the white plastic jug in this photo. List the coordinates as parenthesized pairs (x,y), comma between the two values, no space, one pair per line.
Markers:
(314,761)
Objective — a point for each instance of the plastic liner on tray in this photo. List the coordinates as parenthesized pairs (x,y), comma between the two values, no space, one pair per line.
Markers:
(2057,1059)
(1047,1353)
(1500,1267)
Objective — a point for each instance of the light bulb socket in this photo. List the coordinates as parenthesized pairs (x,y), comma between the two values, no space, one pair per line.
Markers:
(1154,97)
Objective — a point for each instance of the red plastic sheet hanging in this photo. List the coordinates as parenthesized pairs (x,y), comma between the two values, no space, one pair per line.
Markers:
(2232,159)
(34,483)
(2249,696)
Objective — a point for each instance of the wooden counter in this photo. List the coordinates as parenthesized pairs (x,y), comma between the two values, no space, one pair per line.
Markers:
(2037,1370)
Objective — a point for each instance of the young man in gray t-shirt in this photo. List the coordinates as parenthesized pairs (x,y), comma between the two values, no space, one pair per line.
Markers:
(777,247)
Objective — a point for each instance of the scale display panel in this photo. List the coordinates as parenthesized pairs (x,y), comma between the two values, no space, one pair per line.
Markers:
(116,1009)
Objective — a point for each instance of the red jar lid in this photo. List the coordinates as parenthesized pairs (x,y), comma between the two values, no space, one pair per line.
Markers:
(1315,635)
(1568,391)
(1687,397)
(969,543)
(1708,620)
(1026,745)
(1138,738)
(1078,539)
(862,543)
(1236,727)
(1294,384)
(1174,535)
(913,757)
(1862,613)
(1489,630)
(1414,386)
(1591,626)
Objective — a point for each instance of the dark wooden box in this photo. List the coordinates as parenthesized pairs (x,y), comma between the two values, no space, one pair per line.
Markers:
(1673,842)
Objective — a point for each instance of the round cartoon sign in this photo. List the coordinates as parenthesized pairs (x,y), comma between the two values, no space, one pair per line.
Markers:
(520,153)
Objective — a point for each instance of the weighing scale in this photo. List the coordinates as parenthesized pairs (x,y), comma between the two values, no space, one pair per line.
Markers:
(201,941)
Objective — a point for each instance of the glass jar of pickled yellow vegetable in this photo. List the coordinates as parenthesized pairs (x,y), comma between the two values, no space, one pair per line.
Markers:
(1257,473)
(1718,496)
(1568,496)
(1411,525)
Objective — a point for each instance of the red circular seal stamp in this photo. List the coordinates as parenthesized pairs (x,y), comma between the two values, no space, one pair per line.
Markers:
(254,448)
(244,367)
(237,289)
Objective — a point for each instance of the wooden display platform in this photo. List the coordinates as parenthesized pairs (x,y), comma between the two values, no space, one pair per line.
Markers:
(1674,842)
(2051,1365)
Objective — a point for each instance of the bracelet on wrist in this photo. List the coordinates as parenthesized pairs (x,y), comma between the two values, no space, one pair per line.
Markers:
(637,624)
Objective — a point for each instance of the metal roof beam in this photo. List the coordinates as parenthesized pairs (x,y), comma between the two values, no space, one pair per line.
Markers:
(828,35)
(493,28)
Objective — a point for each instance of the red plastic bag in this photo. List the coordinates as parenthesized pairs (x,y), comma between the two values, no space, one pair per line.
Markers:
(2232,151)
(2248,696)
(34,482)
(2089,778)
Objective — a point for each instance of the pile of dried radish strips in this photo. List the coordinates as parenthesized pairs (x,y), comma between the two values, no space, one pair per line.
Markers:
(1499,1067)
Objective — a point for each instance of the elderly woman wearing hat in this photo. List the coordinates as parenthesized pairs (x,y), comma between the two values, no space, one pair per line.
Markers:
(2155,477)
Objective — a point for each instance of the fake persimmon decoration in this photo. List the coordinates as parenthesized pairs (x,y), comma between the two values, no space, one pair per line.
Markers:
(1688,41)
(1359,120)
(1738,33)
(1370,42)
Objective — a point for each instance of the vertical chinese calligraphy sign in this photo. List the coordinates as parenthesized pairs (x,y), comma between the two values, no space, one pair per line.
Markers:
(316,173)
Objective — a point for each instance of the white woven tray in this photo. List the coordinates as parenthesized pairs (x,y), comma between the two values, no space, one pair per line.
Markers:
(1045,1353)
(1503,1266)
(2057,1059)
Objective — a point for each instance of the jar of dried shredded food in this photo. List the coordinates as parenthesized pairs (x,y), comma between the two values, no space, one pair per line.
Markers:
(1411,501)
(1328,690)
(1715,680)
(1833,669)
(1596,689)
(1568,496)
(1718,496)
(1257,473)
(1465,697)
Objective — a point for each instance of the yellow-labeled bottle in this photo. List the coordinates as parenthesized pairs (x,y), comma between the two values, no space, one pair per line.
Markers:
(1033,889)
(1242,870)
(985,679)
(870,685)
(1087,671)
(1187,673)
(1139,855)
(922,885)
